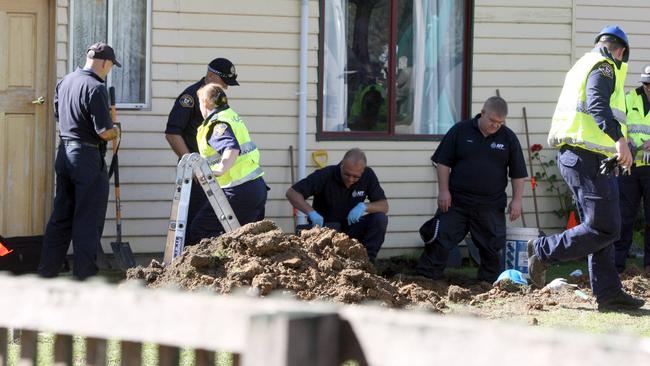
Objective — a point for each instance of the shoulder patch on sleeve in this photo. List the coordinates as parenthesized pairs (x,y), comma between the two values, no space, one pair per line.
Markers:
(606,69)
(220,128)
(186,101)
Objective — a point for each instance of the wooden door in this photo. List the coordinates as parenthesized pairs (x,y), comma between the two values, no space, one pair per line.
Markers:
(25,64)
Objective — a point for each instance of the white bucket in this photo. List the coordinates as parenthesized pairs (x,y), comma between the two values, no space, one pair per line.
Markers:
(515,255)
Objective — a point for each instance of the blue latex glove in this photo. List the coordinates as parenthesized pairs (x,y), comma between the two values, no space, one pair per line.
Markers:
(316,218)
(355,214)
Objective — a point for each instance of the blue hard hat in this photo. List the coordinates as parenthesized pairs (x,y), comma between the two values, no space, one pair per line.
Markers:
(613,30)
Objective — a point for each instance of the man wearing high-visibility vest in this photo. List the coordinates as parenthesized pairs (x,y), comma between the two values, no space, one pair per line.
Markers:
(636,186)
(589,126)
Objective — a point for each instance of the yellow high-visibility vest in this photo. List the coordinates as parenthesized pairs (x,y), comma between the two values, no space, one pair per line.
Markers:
(247,166)
(638,123)
(572,124)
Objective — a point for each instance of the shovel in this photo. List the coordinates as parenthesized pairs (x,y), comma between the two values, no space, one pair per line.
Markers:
(121,250)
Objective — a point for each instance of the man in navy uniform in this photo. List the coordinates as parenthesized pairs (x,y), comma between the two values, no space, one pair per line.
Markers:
(85,126)
(340,193)
(474,161)
(184,119)
(588,126)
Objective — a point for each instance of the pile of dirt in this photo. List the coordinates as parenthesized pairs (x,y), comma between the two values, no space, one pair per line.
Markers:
(320,264)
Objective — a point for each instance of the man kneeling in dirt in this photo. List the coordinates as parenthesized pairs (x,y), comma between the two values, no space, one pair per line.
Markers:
(340,193)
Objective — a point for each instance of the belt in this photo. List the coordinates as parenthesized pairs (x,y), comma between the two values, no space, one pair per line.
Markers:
(579,150)
(72,142)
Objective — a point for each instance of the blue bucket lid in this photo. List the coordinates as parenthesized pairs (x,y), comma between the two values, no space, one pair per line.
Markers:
(513,275)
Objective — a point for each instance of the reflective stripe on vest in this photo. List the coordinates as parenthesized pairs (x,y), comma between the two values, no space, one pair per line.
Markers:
(246,167)
(638,124)
(572,124)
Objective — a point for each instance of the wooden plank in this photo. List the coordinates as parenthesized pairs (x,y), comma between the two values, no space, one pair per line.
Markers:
(494,62)
(233,23)
(4,56)
(28,348)
(199,38)
(168,356)
(522,46)
(4,346)
(521,30)
(510,3)
(292,340)
(526,14)
(257,7)
(192,72)
(204,358)
(95,351)
(63,350)
(131,353)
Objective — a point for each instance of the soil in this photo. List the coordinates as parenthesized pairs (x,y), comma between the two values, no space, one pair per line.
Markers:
(322,264)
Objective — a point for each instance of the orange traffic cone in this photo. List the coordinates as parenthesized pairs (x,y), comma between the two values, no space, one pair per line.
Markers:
(572,222)
(4,251)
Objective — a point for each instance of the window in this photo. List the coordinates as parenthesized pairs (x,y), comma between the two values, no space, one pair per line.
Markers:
(393,68)
(124,24)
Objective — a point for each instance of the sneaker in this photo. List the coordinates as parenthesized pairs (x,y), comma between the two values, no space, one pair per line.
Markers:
(621,301)
(536,269)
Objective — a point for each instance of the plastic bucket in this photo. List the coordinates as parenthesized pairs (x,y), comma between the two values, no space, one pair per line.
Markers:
(515,255)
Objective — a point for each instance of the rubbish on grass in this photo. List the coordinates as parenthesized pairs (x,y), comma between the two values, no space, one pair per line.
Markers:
(581,295)
(576,273)
(558,284)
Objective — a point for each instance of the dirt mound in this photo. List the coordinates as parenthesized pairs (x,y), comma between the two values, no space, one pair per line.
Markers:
(322,264)
(319,264)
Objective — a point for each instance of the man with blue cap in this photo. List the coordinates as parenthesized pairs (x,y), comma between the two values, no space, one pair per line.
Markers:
(588,127)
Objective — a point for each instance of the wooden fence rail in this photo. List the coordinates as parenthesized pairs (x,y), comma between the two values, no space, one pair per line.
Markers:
(279,331)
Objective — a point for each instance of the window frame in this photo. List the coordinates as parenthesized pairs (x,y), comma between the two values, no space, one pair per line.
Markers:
(322,135)
(146,105)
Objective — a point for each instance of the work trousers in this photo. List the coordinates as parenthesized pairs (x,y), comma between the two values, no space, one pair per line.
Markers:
(198,199)
(247,202)
(632,189)
(488,229)
(370,230)
(597,202)
(79,211)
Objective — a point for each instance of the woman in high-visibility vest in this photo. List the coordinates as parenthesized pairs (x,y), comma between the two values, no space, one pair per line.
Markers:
(224,141)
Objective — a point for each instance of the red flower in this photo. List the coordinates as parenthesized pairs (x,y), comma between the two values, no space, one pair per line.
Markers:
(533,183)
(536,148)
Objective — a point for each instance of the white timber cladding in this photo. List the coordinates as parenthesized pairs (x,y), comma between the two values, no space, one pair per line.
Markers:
(521,47)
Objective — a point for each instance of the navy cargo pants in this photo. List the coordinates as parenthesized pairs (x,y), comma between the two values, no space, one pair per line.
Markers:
(488,229)
(632,189)
(370,231)
(597,201)
(246,200)
(79,210)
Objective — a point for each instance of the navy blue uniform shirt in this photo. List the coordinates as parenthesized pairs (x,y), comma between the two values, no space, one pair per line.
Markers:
(81,106)
(222,138)
(480,166)
(331,198)
(600,87)
(185,116)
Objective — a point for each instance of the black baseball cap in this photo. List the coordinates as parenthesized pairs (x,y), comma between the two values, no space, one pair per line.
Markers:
(102,51)
(224,69)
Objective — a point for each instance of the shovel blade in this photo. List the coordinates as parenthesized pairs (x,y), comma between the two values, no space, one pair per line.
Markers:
(123,255)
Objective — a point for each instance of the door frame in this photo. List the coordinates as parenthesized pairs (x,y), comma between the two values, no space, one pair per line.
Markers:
(50,144)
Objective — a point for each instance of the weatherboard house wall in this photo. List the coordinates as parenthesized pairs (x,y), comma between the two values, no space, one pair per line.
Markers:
(523,48)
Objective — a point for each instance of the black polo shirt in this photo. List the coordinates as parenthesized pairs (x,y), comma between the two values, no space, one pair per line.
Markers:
(81,106)
(331,198)
(185,116)
(480,166)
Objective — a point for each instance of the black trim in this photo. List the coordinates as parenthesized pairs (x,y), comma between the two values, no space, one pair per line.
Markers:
(466,107)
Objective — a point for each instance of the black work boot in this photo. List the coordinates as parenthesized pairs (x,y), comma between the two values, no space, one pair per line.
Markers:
(536,269)
(620,301)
